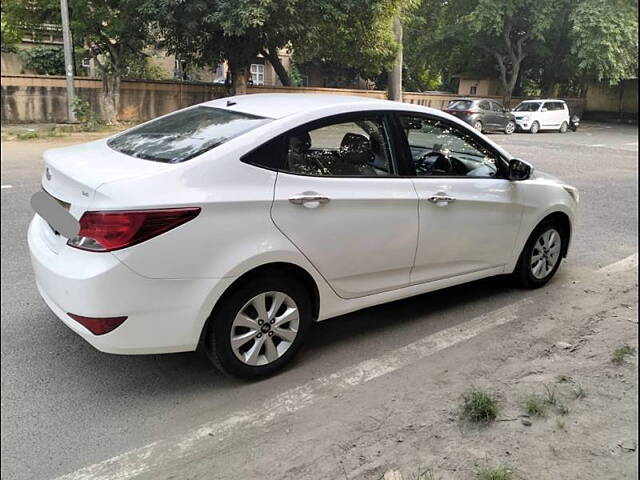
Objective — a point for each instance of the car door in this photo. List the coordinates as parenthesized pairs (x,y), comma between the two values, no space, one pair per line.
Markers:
(469,212)
(500,115)
(548,115)
(339,200)
(486,115)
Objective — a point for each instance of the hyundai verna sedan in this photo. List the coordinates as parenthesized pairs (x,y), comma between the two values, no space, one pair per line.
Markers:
(232,226)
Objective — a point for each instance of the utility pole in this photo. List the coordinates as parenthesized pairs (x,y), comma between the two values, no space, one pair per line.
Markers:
(395,75)
(68,59)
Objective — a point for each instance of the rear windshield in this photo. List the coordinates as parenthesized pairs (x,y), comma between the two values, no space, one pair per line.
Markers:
(460,105)
(528,107)
(184,134)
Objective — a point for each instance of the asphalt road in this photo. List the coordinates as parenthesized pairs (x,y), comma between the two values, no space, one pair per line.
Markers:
(66,405)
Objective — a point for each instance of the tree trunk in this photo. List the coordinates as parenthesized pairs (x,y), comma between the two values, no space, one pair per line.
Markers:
(272,55)
(110,97)
(395,75)
(239,76)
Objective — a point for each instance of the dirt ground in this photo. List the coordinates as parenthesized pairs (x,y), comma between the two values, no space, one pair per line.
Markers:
(409,420)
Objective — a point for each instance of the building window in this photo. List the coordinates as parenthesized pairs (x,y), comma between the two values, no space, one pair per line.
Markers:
(257,73)
(473,90)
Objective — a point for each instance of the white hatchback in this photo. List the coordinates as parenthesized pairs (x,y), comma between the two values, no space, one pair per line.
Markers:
(536,115)
(233,225)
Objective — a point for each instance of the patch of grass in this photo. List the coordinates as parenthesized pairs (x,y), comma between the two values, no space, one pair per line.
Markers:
(536,406)
(498,472)
(561,424)
(550,397)
(479,406)
(30,135)
(579,392)
(423,475)
(620,354)
(562,409)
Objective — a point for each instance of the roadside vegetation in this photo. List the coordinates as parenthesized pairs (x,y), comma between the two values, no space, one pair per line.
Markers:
(479,406)
(621,353)
(496,472)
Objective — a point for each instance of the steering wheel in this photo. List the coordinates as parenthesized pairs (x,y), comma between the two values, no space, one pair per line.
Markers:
(426,164)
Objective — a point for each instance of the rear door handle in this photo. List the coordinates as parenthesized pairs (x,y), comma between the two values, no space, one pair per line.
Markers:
(309,201)
(441,200)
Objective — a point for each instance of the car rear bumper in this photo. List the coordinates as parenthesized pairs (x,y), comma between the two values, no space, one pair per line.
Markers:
(163,315)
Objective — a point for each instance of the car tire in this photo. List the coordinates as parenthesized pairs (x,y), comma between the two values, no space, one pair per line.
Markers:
(530,273)
(478,125)
(510,127)
(238,304)
(564,127)
(535,128)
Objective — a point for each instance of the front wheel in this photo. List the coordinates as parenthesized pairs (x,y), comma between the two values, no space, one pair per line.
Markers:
(259,327)
(535,127)
(510,128)
(564,127)
(541,256)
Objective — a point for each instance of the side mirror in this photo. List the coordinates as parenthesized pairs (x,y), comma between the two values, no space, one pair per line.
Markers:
(544,110)
(519,170)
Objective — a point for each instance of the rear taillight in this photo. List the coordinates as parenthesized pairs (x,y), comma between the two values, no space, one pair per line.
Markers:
(463,111)
(98,325)
(107,231)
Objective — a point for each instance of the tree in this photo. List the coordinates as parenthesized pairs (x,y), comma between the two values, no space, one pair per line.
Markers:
(604,37)
(352,32)
(506,29)
(116,32)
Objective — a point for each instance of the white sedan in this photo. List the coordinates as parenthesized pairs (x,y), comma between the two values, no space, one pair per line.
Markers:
(232,226)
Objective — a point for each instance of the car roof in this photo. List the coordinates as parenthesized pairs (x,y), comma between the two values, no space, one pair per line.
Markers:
(279,105)
(543,100)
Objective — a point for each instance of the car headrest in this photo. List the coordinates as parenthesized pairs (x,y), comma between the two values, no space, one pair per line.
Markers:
(300,142)
(356,148)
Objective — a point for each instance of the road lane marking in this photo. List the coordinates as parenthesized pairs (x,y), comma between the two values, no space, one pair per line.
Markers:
(623,265)
(163,453)
(6,186)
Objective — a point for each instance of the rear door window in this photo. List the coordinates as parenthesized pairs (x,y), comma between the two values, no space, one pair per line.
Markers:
(185,134)
(484,105)
(460,105)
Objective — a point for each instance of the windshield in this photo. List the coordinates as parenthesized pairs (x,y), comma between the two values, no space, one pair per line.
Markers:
(180,136)
(528,107)
(460,105)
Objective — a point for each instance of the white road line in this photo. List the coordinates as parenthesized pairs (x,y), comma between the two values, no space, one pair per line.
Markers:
(598,145)
(6,186)
(166,452)
(623,265)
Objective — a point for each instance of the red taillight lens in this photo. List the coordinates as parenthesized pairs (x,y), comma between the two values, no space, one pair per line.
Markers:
(98,326)
(107,231)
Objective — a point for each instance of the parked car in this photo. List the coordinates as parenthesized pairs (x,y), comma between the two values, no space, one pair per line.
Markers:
(483,114)
(536,115)
(232,226)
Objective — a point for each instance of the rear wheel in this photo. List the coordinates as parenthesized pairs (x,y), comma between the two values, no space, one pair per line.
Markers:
(259,327)
(510,127)
(535,127)
(478,125)
(541,256)
(564,127)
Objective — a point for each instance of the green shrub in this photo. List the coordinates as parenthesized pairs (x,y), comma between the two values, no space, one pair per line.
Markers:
(84,114)
(499,472)
(43,60)
(479,407)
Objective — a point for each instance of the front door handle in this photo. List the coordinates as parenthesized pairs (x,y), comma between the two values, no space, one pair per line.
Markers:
(309,200)
(441,199)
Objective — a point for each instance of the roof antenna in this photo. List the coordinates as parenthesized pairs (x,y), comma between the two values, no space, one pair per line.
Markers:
(230,103)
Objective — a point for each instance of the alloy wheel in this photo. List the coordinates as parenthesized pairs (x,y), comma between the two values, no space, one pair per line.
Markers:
(264,328)
(535,127)
(510,128)
(478,126)
(546,253)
